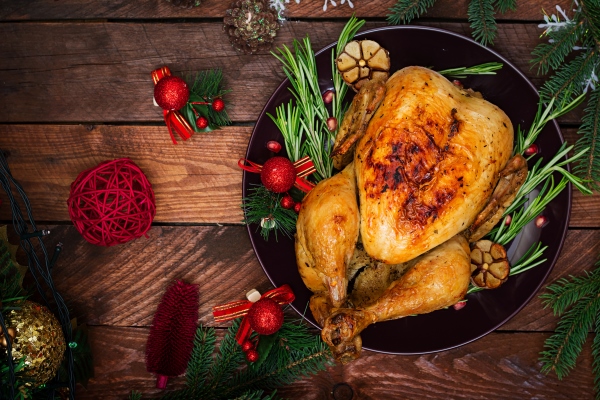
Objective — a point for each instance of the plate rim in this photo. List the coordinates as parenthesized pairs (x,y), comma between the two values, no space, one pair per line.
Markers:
(563,234)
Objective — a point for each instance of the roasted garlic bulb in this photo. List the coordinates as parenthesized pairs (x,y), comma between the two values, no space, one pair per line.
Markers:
(363,60)
(489,266)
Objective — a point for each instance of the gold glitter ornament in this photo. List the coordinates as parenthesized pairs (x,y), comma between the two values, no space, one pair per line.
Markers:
(39,340)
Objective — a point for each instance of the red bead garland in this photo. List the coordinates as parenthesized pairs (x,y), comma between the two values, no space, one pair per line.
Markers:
(112,203)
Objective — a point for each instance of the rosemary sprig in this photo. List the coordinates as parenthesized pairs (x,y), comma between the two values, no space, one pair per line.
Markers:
(339,86)
(544,115)
(288,122)
(481,69)
(301,69)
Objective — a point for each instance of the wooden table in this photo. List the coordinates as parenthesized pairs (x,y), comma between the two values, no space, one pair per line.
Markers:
(75,90)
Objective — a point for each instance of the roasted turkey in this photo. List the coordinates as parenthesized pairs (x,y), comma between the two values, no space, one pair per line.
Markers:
(426,167)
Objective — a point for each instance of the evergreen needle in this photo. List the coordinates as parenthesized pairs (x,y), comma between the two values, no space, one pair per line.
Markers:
(481,69)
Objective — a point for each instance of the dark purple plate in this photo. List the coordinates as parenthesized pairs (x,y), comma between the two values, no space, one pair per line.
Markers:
(486,310)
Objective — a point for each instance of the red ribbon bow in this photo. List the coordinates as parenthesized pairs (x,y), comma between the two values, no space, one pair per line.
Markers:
(282,295)
(174,119)
(303,166)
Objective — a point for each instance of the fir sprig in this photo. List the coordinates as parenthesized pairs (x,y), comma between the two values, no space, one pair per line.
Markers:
(578,303)
(206,88)
(579,37)
(481,15)
(263,207)
(405,11)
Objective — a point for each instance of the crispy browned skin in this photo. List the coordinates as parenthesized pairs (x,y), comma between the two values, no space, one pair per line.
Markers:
(427,164)
(326,235)
(512,178)
(437,279)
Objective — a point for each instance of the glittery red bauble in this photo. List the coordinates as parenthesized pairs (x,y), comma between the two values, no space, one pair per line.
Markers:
(297,207)
(252,356)
(287,202)
(171,93)
(278,174)
(265,316)
(201,123)
(247,346)
(218,105)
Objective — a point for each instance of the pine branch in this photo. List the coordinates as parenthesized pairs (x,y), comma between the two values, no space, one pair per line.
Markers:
(200,360)
(263,208)
(552,55)
(505,5)
(564,293)
(588,168)
(564,346)
(228,359)
(569,78)
(481,17)
(405,11)
(596,356)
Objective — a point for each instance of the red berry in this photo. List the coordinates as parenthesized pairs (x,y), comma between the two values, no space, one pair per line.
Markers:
(247,346)
(531,150)
(297,207)
(252,356)
(508,220)
(332,123)
(287,202)
(328,96)
(278,174)
(274,146)
(201,122)
(218,105)
(541,221)
(171,93)
(460,305)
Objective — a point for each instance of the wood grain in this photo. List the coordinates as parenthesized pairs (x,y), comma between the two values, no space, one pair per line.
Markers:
(100,71)
(122,285)
(152,9)
(498,366)
(197,181)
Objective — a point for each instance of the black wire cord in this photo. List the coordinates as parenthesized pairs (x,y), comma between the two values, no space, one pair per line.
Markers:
(41,270)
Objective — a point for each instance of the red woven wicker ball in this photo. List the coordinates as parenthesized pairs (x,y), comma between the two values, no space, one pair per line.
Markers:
(112,203)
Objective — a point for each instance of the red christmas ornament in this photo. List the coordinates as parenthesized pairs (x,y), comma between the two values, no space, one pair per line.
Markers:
(297,207)
(171,93)
(171,339)
(287,202)
(265,316)
(247,346)
(278,174)
(201,122)
(218,105)
(112,203)
(252,355)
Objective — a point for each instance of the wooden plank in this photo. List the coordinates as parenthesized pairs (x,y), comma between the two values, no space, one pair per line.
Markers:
(197,181)
(122,285)
(28,10)
(100,72)
(498,366)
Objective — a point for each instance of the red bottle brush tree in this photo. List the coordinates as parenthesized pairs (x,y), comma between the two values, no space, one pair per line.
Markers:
(171,337)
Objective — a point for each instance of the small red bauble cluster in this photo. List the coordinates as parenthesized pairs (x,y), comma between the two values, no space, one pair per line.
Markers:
(218,105)
(171,93)
(201,122)
(265,316)
(278,174)
(288,203)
